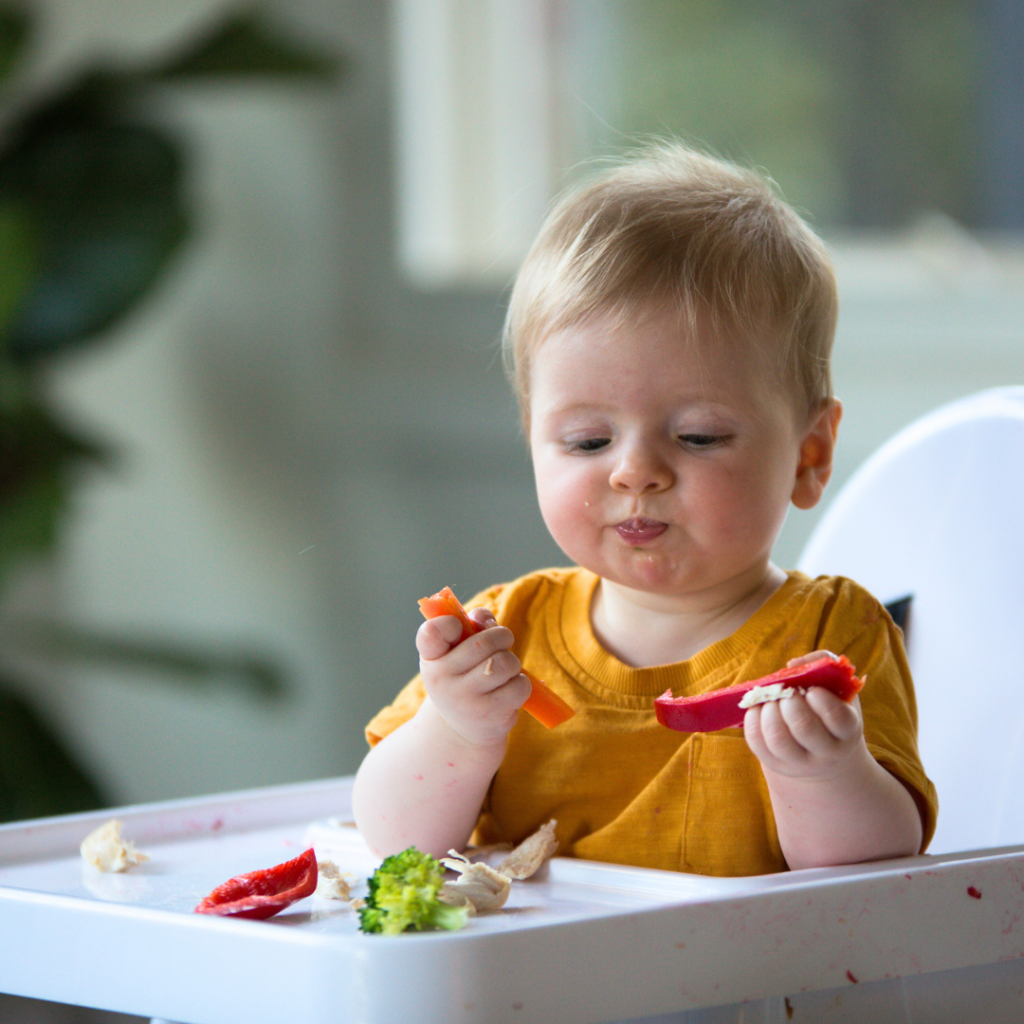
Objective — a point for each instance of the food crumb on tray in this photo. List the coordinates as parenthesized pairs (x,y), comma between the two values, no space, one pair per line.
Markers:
(334,884)
(528,857)
(106,850)
(481,887)
(478,886)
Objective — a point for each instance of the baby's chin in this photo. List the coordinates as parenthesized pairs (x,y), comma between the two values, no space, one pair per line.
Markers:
(647,571)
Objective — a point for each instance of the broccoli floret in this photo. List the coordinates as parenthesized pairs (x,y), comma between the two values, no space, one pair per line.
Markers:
(403,896)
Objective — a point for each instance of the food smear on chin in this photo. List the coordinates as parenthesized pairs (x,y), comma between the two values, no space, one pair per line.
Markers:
(106,850)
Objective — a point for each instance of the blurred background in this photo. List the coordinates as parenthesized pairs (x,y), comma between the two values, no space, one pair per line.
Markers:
(253,264)
(244,471)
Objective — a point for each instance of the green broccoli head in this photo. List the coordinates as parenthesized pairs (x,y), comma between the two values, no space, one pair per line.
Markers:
(403,897)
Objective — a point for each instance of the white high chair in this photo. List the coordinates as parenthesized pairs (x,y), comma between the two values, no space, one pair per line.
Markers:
(937,515)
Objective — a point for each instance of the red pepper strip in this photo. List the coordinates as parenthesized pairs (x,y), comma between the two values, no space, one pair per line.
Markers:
(261,894)
(721,709)
(543,703)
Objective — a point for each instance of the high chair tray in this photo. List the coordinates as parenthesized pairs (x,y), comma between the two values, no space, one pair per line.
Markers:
(580,942)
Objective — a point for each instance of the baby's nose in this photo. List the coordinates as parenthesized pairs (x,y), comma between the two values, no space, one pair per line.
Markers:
(641,469)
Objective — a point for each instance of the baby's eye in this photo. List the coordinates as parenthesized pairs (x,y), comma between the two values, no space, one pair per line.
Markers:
(701,441)
(588,444)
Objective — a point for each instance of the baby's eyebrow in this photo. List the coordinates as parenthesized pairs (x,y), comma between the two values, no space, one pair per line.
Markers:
(693,402)
(570,407)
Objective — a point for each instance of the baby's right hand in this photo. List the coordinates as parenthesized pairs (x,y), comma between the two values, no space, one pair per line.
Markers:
(476,686)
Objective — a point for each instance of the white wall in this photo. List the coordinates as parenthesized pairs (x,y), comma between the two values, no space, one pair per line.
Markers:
(310,444)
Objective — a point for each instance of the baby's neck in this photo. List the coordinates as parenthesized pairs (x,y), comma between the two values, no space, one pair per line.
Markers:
(643,630)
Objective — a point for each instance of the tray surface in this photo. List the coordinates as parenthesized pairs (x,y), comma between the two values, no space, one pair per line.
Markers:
(131,942)
(194,848)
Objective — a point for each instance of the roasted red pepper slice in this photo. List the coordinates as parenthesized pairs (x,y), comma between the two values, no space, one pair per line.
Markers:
(261,894)
(721,709)
(543,703)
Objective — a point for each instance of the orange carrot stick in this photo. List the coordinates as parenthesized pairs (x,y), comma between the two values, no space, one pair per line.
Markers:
(543,703)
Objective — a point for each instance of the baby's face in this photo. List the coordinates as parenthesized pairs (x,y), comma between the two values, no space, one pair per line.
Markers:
(663,466)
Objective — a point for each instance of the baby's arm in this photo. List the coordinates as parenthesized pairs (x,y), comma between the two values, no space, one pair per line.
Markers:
(833,802)
(424,784)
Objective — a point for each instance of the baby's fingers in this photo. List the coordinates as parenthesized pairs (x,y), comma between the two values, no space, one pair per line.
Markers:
(483,617)
(435,637)
(770,736)
(805,659)
(485,658)
(820,723)
(803,735)
(844,722)
(498,669)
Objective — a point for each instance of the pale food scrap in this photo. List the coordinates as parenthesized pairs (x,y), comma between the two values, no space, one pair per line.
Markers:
(331,883)
(766,694)
(481,887)
(106,850)
(478,886)
(528,857)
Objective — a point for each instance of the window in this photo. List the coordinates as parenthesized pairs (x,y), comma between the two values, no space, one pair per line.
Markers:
(870,115)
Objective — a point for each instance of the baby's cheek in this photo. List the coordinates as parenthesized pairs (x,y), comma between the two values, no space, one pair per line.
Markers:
(568,525)
(562,521)
(561,499)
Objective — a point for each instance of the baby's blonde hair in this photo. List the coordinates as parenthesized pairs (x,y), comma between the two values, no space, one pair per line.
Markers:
(675,227)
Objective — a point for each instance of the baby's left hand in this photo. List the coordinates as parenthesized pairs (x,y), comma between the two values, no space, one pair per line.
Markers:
(808,737)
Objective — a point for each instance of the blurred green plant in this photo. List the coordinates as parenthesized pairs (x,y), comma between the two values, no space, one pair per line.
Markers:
(93,210)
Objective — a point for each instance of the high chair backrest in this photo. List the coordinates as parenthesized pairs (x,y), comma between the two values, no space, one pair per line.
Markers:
(937,516)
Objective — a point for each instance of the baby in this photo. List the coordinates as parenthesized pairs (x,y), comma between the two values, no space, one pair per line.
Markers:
(668,337)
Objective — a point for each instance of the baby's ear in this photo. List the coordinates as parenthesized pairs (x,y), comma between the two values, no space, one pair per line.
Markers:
(816,453)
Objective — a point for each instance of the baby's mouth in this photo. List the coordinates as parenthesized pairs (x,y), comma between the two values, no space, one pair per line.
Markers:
(640,530)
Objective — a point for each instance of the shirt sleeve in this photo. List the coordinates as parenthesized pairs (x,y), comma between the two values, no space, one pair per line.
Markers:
(888,702)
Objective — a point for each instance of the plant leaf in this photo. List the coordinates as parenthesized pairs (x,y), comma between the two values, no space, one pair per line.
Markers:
(14,29)
(106,199)
(30,518)
(17,261)
(37,459)
(103,191)
(194,666)
(39,776)
(245,44)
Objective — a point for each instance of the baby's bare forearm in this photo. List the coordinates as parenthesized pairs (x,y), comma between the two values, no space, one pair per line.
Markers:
(422,786)
(861,815)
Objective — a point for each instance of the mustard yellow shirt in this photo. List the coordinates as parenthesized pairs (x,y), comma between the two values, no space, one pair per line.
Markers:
(627,790)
